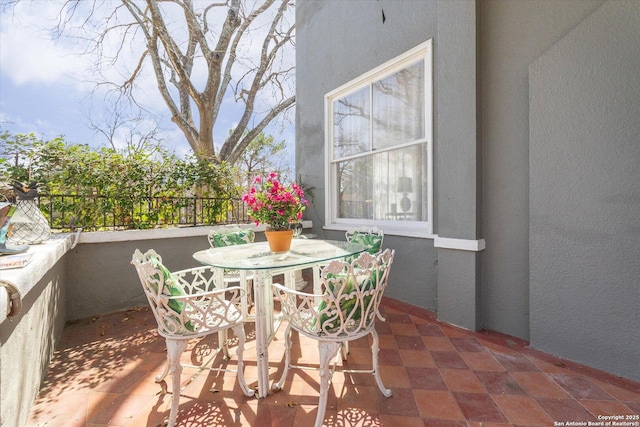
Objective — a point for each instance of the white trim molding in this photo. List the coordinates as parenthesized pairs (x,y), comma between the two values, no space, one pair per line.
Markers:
(364,84)
(162,233)
(459,244)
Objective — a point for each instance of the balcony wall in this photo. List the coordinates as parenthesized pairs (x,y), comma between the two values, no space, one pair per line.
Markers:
(67,281)
(27,341)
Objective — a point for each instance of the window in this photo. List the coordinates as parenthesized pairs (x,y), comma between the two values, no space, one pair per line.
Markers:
(379,147)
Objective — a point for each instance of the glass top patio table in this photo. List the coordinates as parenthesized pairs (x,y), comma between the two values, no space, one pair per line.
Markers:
(264,264)
(256,256)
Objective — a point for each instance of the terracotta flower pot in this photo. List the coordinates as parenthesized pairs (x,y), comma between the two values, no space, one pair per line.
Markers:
(279,240)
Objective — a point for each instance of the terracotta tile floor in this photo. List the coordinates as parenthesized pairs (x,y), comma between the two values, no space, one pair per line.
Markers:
(103,375)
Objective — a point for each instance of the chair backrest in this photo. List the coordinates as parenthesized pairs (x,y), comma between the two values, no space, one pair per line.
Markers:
(188,302)
(159,285)
(227,236)
(370,237)
(351,295)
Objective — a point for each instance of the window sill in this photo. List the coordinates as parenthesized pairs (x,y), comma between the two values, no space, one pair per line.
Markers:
(468,245)
(388,230)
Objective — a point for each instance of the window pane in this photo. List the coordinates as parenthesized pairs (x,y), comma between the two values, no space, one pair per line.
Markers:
(406,185)
(355,189)
(385,186)
(398,107)
(351,116)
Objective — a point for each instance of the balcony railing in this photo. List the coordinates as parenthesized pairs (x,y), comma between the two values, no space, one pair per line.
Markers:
(69,212)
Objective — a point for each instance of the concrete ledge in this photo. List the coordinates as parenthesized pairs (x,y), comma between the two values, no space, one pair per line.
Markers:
(160,233)
(45,256)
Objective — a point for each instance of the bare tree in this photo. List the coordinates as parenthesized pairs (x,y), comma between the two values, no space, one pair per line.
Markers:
(130,133)
(201,53)
(263,155)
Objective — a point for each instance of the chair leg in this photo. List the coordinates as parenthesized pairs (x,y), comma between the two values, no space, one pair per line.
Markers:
(345,350)
(376,369)
(328,351)
(239,331)
(223,343)
(287,360)
(174,350)
(164,373)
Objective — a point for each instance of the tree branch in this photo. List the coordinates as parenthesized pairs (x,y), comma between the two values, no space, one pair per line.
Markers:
(237,151)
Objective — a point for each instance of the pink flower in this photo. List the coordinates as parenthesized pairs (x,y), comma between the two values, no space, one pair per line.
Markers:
(273,203)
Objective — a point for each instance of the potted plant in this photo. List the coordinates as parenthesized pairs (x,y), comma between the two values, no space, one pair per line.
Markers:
(275,205)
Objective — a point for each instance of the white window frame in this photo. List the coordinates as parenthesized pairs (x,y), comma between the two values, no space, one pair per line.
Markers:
(423,51)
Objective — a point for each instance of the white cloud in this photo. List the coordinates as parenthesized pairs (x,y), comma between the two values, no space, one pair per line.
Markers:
(28,52)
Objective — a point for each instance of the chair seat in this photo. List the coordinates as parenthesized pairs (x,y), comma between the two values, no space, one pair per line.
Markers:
(305,323)
(212,318)
(350,333)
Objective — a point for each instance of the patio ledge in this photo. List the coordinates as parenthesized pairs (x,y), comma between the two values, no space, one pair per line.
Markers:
(45,256)
(162,233)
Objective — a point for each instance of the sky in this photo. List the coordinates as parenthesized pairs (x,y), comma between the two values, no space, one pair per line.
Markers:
(45,89)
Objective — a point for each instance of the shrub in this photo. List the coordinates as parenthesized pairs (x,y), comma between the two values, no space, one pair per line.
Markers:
(138,189)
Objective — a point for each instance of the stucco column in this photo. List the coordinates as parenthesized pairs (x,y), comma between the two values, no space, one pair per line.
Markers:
(457,165)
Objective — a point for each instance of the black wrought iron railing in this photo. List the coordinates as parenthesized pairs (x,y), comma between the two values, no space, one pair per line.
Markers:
(69,212)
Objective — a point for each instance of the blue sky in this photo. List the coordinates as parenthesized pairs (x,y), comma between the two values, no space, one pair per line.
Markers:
(43,85)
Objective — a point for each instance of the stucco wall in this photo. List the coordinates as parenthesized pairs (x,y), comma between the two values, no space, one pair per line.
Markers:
(457,162)
(27,342)
(120,287)
(337,41)
(585,193)
(513,34)
(332,48)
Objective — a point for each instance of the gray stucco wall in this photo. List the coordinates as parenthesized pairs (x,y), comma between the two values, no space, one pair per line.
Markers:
(337,41)
(513,34)
(122,288)
(457,161)
(27,343)
(585,193)
(325,61)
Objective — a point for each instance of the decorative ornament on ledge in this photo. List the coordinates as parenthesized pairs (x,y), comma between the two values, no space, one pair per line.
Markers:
(29,226)
(6,213)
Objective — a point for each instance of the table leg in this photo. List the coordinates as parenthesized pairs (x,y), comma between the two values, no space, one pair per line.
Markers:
(264,316)
(300,283)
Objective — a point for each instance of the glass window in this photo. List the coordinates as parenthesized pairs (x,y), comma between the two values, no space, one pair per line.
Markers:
(381,153)
(351,124)
(398,107)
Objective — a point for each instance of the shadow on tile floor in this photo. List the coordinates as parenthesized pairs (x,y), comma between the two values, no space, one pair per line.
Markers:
(104,373)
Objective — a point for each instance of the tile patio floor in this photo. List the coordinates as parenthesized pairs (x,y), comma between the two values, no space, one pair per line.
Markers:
(103,375)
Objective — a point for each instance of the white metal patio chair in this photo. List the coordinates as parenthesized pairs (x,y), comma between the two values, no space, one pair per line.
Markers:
(370,237)
(234,235)
(190,304)
(351,295)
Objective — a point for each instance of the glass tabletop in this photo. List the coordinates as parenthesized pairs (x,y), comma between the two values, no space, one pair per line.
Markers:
(256,256)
